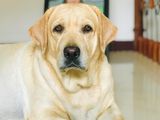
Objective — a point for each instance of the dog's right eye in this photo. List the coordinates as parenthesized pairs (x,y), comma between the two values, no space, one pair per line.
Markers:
(58,29)
(87,29)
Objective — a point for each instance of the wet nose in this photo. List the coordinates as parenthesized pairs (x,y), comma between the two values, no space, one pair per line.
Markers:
(71,52)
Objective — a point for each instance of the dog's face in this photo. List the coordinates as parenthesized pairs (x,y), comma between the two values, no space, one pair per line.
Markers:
(73,28)
(72,33)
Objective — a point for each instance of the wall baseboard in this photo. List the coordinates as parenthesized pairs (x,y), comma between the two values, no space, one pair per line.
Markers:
(121,45)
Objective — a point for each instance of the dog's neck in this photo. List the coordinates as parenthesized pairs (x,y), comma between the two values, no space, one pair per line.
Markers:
(73,81)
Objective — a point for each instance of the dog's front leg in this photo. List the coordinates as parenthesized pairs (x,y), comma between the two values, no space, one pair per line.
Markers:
(115,112)
(111,113)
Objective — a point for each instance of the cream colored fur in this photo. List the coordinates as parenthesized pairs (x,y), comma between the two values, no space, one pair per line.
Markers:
(52,94)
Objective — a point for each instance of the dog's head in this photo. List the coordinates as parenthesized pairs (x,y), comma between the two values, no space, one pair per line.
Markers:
(72,34)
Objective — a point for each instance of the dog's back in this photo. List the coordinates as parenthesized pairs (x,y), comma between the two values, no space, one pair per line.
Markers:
(10,90)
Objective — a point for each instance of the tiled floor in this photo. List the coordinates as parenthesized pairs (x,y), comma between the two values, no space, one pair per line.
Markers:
(137,85)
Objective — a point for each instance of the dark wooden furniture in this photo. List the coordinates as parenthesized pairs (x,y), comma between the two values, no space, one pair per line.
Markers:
(146,46)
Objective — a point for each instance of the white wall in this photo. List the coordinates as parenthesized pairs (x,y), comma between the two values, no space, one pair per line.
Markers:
(16,16)
(122,15)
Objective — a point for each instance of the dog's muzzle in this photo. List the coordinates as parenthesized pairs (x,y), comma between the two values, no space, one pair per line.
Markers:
(72,57)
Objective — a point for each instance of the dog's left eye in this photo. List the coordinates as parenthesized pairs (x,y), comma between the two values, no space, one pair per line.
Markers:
(58,29)
(87,29)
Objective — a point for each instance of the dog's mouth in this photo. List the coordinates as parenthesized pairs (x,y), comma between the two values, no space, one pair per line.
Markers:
(72,66)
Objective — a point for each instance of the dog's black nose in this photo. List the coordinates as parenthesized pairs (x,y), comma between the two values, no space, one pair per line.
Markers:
(71,52)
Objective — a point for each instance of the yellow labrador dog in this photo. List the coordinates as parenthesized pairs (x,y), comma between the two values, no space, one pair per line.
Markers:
(64,71)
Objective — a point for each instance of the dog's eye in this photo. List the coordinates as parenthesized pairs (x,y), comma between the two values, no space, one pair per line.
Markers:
(58,29)
(87,29)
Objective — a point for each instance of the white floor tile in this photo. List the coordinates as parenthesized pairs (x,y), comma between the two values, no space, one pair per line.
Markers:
(137,85)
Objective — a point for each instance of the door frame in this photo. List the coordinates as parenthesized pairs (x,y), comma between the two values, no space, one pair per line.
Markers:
(106,6)
(138,29)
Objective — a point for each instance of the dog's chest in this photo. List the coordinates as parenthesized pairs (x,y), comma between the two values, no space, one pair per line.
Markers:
(86,104)
(86,97)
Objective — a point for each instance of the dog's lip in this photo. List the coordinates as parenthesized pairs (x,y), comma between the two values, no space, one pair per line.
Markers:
(72,65)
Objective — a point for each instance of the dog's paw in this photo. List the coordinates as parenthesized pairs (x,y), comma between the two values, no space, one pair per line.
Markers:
(119,117)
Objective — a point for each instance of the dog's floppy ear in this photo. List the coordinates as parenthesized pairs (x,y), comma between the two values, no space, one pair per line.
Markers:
(38,31)
(107,31)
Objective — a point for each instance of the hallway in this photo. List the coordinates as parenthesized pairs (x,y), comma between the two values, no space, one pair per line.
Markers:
(137,85)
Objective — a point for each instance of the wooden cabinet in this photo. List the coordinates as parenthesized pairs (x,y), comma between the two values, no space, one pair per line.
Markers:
(147,28)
